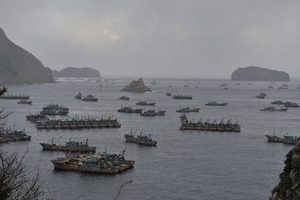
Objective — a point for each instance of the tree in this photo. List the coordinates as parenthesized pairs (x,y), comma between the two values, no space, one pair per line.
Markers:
(3,90)
(2,115)
(14,182)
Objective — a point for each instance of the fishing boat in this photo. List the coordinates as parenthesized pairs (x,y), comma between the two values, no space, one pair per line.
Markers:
(124,97)
(236,127)
(14,96)
(286,139)
(8,135)
(290,104)
(152,113)
(75,123)
(140,139)
(188,109)
(24,101)
(279,102)
(207,126)
(90,98)
(128,109)
(54,109)
(78,96)
(144,103)
(36,117)
(271,108)
(283,86)
(178,96)
(261,96)
(71,146)
(101,163)
(214,103)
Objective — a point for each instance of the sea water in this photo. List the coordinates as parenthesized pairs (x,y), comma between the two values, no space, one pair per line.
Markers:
(184,164)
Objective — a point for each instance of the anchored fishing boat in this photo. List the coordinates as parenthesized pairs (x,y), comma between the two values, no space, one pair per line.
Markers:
(214,103)
(144,103)
(153,113)
(72,146)
(101,163)
(128,109)
(188,109)
(140,139)
(124,97)
(24,101)
(271,108)
(286,139)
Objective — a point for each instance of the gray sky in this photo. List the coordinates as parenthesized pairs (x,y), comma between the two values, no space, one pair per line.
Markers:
(158,38)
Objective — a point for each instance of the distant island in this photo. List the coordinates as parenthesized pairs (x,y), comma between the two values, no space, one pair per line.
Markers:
(253,73)
(18,66)
(76,72)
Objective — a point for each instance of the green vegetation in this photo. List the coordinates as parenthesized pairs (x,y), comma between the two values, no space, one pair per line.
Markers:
(14,181)
(285,180)
(3,90)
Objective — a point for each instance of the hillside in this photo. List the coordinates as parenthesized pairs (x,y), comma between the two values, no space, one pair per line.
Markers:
(18,66)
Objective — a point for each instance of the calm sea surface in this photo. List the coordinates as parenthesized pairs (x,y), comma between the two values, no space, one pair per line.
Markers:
(185,164)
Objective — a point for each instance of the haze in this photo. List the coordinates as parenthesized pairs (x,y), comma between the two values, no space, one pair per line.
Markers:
(184,39)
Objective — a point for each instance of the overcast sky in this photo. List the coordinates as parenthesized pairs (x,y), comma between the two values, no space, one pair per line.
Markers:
(158,38)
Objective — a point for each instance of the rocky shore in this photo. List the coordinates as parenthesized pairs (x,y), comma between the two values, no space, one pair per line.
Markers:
(288,187)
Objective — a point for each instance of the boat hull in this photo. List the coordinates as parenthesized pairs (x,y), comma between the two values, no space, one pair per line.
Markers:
(53,147)
(191,110)
(100,169)
(217,104)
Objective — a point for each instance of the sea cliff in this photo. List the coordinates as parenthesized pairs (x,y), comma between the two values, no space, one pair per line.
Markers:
(18,66)
(254,73)
(288,187)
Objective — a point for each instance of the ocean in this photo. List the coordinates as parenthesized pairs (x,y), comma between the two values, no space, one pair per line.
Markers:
(185,164)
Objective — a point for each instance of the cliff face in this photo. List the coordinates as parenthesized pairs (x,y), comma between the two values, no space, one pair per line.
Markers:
(18,66)
(288,187)
(253,73)
(76,72)
(136,86)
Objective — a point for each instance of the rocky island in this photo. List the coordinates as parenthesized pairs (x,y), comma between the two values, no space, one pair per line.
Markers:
(18,66)
(254,73)
(136,86)
(76,72)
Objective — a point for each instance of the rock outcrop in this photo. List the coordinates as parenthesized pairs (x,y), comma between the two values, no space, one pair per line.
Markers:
(288,187)
(76,72)
(253,73)
(136,86)
(18,66)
